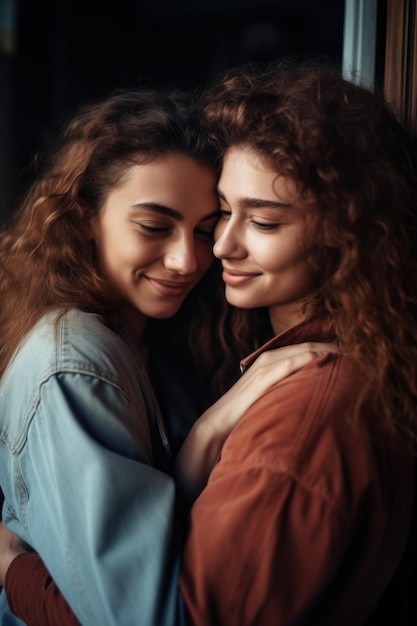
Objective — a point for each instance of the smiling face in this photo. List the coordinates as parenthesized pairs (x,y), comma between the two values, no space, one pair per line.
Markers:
(259,239)
(154,236)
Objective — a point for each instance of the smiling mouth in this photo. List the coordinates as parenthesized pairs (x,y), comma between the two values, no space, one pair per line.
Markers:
(234,278)
(170,287)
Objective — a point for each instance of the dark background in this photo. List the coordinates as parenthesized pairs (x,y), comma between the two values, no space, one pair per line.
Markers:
(70,51)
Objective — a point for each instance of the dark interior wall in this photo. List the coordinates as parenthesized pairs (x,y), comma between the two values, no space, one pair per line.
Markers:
(71,51)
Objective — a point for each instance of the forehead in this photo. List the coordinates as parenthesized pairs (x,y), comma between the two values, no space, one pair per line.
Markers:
(175,181)
(245,174)
(175,171)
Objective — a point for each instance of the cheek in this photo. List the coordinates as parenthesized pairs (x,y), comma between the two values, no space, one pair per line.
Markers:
(274,257)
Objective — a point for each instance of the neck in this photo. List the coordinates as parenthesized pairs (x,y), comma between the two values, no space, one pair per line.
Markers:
(285,316)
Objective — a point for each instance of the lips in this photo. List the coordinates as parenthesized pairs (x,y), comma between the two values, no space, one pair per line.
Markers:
(170,287)
(235,278)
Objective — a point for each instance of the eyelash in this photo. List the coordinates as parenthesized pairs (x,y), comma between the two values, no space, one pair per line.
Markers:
(161,231)
(265,227)
(153,230)
(259,225)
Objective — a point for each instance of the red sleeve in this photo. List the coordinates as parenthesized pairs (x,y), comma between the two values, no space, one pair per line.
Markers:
(33,596)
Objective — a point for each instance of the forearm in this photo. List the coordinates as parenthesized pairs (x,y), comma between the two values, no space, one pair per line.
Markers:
(32,594)
(8,552)
(197,456)
(199,452)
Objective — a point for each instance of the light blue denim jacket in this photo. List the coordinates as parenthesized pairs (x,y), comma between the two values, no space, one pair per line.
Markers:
(77,421)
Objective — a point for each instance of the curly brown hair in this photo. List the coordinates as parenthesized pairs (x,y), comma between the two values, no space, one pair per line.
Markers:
(355,167)
(47,260)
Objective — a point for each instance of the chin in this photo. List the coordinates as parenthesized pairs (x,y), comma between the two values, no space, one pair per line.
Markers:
(166,313)
(240,303)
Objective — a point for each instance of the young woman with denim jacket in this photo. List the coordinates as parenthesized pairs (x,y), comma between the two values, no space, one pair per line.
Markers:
(115,232)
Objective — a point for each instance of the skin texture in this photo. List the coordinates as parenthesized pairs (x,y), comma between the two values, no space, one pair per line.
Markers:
(259,239)
(154,235)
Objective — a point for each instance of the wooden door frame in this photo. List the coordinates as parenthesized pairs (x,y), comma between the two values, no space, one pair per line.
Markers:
(400,75)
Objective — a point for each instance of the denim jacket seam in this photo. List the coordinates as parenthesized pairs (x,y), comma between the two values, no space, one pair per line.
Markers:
(18,443)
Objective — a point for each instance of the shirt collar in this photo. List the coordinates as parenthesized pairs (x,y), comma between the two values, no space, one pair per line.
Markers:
(314,330)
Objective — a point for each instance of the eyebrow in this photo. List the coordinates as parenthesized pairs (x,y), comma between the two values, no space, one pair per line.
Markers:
(161,209)
(257,203)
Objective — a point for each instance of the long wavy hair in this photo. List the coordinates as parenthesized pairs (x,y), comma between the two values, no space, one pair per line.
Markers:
(355,168)
(47,260)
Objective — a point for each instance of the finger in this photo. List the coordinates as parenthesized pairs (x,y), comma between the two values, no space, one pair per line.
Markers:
(285,367)
(322,347)
(291,365)
(310,346)
(295,349)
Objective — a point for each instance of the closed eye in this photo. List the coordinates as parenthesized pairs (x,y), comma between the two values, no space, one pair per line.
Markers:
(265,225)
(152,230)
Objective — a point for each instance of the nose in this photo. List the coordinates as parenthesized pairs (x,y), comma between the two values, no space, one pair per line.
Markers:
(226,241)
(181,257)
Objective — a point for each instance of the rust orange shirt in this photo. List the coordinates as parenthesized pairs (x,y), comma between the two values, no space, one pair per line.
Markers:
(305,516)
